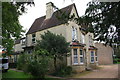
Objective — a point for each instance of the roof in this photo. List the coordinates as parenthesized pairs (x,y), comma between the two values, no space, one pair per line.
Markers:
(76,43)
(18,40)
(43,23)
(92,48)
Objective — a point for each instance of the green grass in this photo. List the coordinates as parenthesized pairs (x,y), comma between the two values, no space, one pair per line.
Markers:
(15,74)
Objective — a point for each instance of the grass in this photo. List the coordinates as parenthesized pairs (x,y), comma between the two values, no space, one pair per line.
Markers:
(21,75)
(15,74)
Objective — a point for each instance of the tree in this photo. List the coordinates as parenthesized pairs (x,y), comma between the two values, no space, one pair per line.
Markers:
(101,18)
(11,28)
(56,45)
(105,21)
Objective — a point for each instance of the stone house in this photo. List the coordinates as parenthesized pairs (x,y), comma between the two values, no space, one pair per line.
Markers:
(83,50)
(105,54)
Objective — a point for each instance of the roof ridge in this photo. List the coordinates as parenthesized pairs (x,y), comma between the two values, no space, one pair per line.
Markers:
(42,23)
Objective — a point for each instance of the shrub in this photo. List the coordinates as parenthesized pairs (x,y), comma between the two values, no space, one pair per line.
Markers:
(35,63)
(63,70)
(21,62)
(38,68)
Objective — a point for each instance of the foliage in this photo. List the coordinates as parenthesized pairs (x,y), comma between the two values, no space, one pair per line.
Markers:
(116,51)
(99,18)
(21,61)
(116,60)
(38,64)
(104,16)
(56,45)
(11,28)
(63,70)
(35,63)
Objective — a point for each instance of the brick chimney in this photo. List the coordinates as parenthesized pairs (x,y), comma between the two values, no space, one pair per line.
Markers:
(49,10)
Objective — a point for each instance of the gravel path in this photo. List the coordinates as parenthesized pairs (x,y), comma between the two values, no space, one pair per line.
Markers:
(106,71)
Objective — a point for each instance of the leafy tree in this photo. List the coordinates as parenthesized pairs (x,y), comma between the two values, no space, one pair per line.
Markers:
(11,28)
(99,18)
(103,16)
(56,45)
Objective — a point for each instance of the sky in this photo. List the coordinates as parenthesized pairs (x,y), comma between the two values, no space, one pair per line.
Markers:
(27,19)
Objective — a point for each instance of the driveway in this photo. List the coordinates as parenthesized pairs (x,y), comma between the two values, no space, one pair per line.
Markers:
(106,71)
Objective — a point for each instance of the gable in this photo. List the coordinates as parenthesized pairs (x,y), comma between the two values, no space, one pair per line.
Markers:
(43,23)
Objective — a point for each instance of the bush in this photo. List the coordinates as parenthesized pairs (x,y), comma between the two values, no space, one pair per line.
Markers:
(63,70)
(38,68)
(35,63)
(21,61)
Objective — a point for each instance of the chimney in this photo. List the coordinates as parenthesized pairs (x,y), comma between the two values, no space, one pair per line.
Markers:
(49,10)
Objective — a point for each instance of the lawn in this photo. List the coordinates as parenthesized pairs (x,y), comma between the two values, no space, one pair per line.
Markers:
(15,74)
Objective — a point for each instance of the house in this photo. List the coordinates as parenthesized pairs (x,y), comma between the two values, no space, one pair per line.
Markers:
(83,50)
(105,54)
(18,49)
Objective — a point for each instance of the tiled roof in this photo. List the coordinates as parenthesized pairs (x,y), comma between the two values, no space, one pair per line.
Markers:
(42,23)
(92,48)
(76,43)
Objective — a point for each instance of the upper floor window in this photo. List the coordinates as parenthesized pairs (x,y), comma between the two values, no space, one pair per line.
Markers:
(33,38)
(82,38)
(74,33)
(23,41)
(90,40)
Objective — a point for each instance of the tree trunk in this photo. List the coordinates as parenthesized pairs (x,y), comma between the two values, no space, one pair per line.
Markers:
(55,65)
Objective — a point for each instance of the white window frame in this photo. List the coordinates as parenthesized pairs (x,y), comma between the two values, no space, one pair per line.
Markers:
(74,33)
(81,56)
(92,57)
(82,38)
(74,56)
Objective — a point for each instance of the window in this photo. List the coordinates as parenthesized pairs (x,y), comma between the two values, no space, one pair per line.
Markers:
(81,57)
(23,42)
(92,56)
(90,40)
(82,38)
(75,56)
(96,56)
(74,34)
(33,38)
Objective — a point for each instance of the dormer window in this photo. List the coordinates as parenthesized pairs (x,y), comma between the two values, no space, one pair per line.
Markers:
(33,38)
(74,33)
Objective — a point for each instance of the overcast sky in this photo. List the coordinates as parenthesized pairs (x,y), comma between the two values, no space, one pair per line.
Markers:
(27,19)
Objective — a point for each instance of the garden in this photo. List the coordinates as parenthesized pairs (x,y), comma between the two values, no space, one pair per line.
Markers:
(44,60)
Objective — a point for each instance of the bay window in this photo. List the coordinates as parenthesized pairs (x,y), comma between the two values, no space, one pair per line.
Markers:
(75,56)
(81,56)
(92,56)
(96,56)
